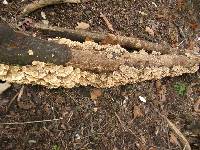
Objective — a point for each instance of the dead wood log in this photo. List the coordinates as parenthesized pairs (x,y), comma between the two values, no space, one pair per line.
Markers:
(99,66)
(126,42)
(19,49)
(43,3)
(106,62)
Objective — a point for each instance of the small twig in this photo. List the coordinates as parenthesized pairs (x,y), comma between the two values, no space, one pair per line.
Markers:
(120,121)
(11,101)
(18,96)
(43,3)
(70,116)
(20,93)
(178,133)
(106,21)
(29,122)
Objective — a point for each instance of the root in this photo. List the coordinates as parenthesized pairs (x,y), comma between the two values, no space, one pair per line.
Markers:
(43,3)
(127,42)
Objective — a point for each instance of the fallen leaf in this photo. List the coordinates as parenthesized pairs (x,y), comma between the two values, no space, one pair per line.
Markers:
(149,31)
(106,21)
(197,105)
(95,93)
(4,87)
(82,25)
(137,112)
(173,139)
(161,91)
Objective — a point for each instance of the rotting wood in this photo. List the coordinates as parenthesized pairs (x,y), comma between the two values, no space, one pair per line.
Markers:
(127,42)
(71,75)
(19,49)
(43,3)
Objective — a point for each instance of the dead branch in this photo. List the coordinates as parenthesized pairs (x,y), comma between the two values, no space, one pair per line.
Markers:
(127,42)
(20,49)
(99,66)
(18,96)
(181,137)
(43,3)
(100,61)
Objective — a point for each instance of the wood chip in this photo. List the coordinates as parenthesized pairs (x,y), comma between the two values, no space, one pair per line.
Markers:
(173,139)
(109,25)
(82,25)
(197,106)
(137,112)
(95,93)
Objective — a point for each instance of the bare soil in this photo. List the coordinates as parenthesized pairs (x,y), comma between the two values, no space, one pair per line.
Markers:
(110,118)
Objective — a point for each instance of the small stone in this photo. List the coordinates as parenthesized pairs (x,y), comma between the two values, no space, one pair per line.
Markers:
(32,141)
(142,99)
(30,52)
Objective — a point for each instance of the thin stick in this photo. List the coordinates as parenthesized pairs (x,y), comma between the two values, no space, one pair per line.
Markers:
(18,95)
(178,133)
(29,122)
(43,3)
(11,101)
(127,42)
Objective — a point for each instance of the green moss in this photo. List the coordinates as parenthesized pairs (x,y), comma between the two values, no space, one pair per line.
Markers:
(180,88)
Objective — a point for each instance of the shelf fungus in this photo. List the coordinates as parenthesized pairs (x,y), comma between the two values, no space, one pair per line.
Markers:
(99,66)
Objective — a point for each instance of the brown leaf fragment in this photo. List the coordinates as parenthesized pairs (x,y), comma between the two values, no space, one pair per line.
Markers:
(197,106)
(95,93)
(109,25)
(161,91)
(82,25)
(153,148)
(173,139)
(137,112)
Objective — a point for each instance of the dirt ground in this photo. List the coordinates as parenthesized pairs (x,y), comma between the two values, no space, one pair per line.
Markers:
(111,118)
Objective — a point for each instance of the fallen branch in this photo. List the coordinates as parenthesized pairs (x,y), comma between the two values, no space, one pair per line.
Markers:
(126,42)
(89,56)
(181,137)
(174,129)
(18,96)
(43,3)
(17,48)
(99,66)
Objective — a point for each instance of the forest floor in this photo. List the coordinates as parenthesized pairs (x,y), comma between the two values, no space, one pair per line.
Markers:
(110,118)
